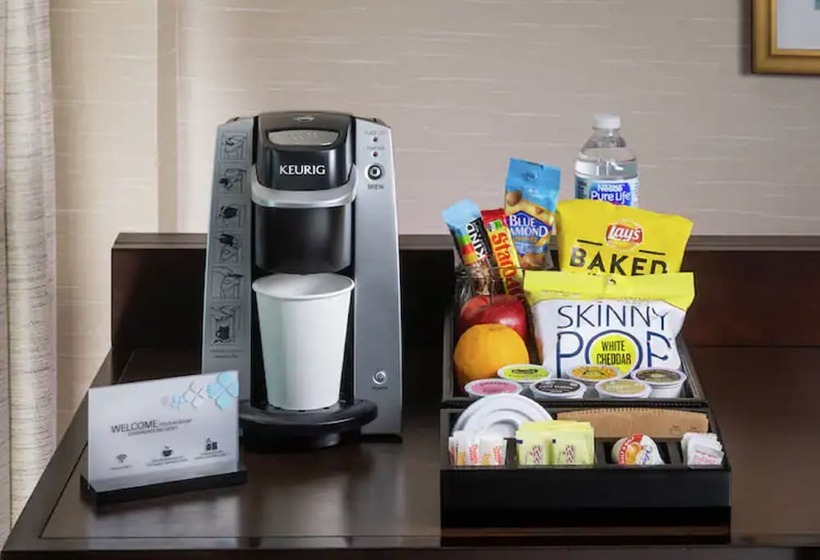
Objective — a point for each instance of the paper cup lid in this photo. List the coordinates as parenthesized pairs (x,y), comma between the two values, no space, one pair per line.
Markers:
(623,388)
(558,388)
(659,376)
(524,373)
(486,387)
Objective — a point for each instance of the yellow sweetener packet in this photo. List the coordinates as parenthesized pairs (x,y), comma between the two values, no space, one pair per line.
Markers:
(550,425)
(627,322)
(562,442)
(598,237)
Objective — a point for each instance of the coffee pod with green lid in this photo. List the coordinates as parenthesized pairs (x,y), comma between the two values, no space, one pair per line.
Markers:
(623,389)
(524,374)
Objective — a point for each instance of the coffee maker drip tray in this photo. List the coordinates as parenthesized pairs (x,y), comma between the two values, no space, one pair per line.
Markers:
(270,429)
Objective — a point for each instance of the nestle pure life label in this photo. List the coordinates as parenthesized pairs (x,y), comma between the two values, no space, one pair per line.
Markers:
(623,192)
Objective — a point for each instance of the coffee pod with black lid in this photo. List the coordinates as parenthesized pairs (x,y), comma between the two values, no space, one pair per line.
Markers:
(665,383)
(558,389)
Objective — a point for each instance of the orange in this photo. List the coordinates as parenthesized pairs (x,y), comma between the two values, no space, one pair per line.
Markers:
(483,349)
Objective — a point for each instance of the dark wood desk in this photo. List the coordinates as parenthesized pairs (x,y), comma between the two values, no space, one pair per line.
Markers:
(371,499)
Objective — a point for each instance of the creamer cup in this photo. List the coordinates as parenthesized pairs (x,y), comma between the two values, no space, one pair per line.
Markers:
(592,374)
(558,389)
(636,450)
(484,387)
(524,374)
(665,383)
(623,389)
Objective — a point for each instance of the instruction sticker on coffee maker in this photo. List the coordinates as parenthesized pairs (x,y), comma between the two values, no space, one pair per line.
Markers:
(150,428)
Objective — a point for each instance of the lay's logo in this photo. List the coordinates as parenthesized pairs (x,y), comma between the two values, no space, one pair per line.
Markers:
(624,235)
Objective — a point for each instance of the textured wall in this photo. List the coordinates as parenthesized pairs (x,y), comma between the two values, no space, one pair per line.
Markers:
(466,84)
(105,80)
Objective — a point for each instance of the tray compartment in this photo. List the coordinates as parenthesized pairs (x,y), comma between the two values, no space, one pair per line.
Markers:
(452,397)
(602,494)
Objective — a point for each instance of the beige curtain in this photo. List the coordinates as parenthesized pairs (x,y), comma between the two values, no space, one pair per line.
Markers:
(27,254)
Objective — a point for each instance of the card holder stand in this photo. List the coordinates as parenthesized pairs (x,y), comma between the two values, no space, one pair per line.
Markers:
(177,481)
(603,494)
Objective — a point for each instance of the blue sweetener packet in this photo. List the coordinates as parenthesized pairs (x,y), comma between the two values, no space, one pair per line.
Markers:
(530,201)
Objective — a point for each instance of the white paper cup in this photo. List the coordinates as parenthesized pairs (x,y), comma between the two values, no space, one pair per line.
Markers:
(303,325)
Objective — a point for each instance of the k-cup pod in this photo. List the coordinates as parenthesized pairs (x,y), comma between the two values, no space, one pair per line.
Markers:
(665,383)
(590,375)
(558,389)
(524,374)
(484,387)
(623,389)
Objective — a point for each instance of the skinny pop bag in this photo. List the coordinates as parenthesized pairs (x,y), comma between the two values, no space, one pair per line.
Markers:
(627,322)
(597,237)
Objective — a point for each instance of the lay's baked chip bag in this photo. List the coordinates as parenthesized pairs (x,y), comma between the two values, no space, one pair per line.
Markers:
(597,237)
(626,322)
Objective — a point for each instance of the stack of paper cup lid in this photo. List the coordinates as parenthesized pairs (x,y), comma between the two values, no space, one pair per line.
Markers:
(665,383)
(591,375)
(623,389)
(558,389)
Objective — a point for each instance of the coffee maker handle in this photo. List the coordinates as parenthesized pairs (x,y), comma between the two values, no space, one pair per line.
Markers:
(326,198)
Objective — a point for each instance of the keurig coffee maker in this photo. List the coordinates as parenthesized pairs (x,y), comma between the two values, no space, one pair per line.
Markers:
(298,194)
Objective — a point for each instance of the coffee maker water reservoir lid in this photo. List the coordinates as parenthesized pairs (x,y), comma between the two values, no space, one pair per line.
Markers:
(304,151)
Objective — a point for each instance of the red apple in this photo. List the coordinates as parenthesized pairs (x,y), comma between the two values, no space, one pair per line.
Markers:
(502,310)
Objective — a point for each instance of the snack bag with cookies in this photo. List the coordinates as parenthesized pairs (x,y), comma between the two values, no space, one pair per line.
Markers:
(530,201)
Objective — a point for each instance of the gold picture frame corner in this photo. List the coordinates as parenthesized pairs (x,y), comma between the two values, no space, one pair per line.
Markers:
(766,57)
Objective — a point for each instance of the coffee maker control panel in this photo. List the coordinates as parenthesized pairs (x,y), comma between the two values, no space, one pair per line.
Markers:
(377,296)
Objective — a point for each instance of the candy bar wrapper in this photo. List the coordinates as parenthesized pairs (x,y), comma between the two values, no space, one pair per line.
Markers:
(467,229)
(504,253)
(492,450)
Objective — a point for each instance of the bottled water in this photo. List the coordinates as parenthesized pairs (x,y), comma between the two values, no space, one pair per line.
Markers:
(606,169)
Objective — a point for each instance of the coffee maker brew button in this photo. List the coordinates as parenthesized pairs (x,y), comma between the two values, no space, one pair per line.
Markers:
(375,172)
(379,377)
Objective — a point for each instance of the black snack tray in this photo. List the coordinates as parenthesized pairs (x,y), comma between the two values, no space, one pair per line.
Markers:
(604,494)
(452,397)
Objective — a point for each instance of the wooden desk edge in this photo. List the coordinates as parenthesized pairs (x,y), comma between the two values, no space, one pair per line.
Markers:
(440,242)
